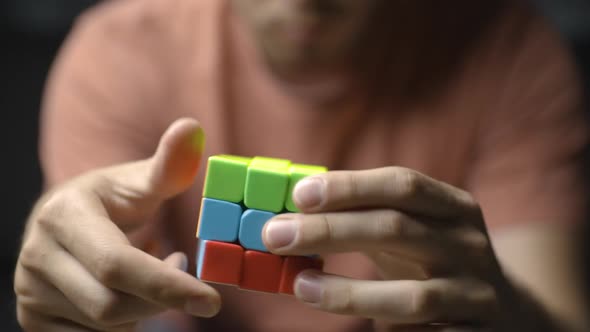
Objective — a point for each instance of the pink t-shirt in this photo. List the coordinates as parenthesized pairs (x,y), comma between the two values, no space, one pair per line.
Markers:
(506,124)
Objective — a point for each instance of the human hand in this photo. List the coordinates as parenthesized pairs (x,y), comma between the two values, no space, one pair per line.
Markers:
(397,215)
(77,270)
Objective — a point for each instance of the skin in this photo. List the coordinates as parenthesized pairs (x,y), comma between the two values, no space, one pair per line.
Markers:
(302,39)
(78,271)
(428,240)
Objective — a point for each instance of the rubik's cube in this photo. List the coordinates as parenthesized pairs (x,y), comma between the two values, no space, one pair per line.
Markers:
(240,195)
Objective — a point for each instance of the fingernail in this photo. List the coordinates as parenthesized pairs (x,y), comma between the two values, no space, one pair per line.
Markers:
(309,192)
(280,233)
(200,307)
(183,264)
(308,287)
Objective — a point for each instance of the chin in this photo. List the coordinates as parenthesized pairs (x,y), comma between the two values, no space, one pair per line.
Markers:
(294,64)
(306,79)
(288,64)
(295,69)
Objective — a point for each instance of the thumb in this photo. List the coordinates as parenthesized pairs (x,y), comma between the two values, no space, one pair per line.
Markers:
(175,164)
(135,190)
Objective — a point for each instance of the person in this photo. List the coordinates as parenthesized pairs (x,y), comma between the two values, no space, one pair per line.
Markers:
(454,133)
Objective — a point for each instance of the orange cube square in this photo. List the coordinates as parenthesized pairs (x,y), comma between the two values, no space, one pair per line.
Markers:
(219,262)
(261,271)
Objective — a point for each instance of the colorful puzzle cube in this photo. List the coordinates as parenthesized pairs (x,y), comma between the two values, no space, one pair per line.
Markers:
(231,250)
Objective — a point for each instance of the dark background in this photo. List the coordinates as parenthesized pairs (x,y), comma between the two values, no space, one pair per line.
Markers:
(30,34)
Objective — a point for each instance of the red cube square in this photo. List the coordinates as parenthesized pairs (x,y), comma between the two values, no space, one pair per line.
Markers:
(261,271)
(219,262)
(292,266)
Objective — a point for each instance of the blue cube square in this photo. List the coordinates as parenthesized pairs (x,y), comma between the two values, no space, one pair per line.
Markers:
(219,221)
(251,226)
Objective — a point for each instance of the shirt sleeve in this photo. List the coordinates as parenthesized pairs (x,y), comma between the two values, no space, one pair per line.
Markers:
(104,93)
(528,162)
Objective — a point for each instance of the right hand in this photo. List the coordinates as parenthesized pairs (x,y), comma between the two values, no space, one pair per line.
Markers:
(78,271)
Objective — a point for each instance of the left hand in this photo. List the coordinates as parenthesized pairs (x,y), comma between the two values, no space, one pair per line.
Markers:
(394,214)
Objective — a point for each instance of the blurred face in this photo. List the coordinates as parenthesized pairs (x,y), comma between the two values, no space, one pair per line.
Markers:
(298,36)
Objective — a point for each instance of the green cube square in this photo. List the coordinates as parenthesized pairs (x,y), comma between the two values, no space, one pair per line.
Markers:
(226,178)
(297,173)
(266,184)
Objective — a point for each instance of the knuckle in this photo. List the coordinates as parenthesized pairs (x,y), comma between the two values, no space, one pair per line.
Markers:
(409,183)
(472,203)
(156,288)
(352,185)
(475,242)
(52,209)
(32,303)
(328,228)
(25,302)
(403,182)
(21,288)
(471,206)
(480,243)
(488,294)
(104,311)
(52,214)
(25,319)
(339,299)
(32,255)
(321,231)
(390,226)
(46,221)
(424,301)
(163,294)
(107,267)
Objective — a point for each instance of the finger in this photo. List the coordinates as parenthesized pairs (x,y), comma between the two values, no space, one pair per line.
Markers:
(390,187)
(400,302)
(41,297)
(103,306)
(131,192)
(296,234)
(369,231)
(32,321)
(132,271)
(103,249)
